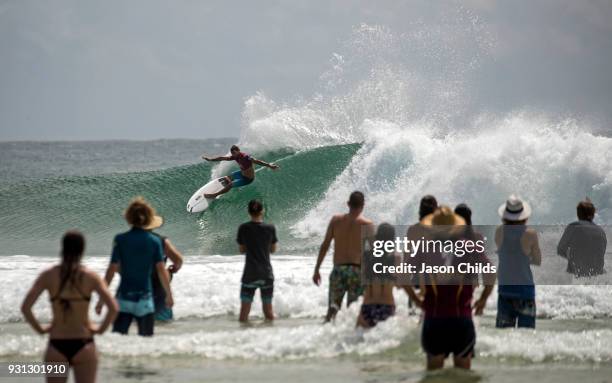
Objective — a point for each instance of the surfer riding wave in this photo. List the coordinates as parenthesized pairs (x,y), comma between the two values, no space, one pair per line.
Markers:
(241,177)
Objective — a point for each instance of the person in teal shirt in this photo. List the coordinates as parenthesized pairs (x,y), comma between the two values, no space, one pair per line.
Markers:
(136,254)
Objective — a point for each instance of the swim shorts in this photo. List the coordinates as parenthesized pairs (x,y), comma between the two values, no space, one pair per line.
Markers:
(164,314)
(137,304)
(443,336)
(374,313)
(344,279)
(238,179)
(266,289)
(145,323)
(515,312)
(133,305)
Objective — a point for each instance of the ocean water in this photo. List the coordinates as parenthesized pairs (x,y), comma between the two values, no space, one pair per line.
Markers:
(377,125)
(573,340)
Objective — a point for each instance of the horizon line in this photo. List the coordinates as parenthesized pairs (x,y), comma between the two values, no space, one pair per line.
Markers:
(116,140)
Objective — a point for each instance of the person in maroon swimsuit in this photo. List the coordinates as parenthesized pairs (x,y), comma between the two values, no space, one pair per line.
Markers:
(447,298)
(241,177)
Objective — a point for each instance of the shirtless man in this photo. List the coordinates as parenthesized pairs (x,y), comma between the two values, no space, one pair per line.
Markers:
(346,232)
(241,177)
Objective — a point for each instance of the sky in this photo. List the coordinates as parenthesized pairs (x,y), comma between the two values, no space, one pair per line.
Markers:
(149,69)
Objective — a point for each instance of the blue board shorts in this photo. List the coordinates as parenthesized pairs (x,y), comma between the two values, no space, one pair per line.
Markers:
(162,313)
(266,289)
(238,179)
(137,304)
(515,312)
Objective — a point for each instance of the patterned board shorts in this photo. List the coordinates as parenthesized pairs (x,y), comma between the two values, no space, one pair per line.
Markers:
(344,279)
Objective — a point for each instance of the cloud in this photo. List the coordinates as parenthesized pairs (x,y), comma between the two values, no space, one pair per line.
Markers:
(146,69)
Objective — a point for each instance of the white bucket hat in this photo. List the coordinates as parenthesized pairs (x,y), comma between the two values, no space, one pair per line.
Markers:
(514,209)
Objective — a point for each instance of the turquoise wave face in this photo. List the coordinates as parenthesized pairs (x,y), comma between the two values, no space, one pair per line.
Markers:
(36,213)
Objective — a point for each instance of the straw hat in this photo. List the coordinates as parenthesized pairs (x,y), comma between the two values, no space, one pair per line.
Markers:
(156,222)
(514,209)
(443,216)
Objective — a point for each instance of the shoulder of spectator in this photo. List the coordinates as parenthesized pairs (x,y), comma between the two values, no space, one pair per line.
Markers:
(366,221)
(47,273)
(498,234)
(478,236)
(531,233)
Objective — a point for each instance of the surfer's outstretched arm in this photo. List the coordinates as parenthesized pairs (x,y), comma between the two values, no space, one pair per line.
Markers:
(220,158)
(263,163)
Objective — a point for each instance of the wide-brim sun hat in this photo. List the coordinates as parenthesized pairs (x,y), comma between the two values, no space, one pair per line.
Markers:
(155,223)
(444,217)
(514,209)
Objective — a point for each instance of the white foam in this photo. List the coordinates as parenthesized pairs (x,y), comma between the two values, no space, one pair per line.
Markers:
(273,342)
(552,165)
(206,286)
(377,74)
(315,340)
(419,137)
(538,346)
(574,301)
(209,286)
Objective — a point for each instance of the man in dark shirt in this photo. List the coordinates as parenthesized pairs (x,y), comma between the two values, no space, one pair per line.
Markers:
(257,240)
(583,243)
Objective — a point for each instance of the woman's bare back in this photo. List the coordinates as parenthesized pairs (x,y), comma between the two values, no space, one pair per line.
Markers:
(70,306)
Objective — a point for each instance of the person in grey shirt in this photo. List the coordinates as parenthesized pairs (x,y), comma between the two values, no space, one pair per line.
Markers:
(583,243)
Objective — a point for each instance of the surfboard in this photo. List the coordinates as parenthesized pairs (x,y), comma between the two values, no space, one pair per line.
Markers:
(198,203)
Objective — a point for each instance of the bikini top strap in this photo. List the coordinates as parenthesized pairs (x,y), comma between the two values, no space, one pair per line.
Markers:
(83,297)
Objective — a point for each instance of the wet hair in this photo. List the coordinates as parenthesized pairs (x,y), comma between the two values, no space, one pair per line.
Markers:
(464,211)
(73,246)
(255,207)
(428,205)
(234,148)
(585,210)
(384,232)
(356,200)
(139,213)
